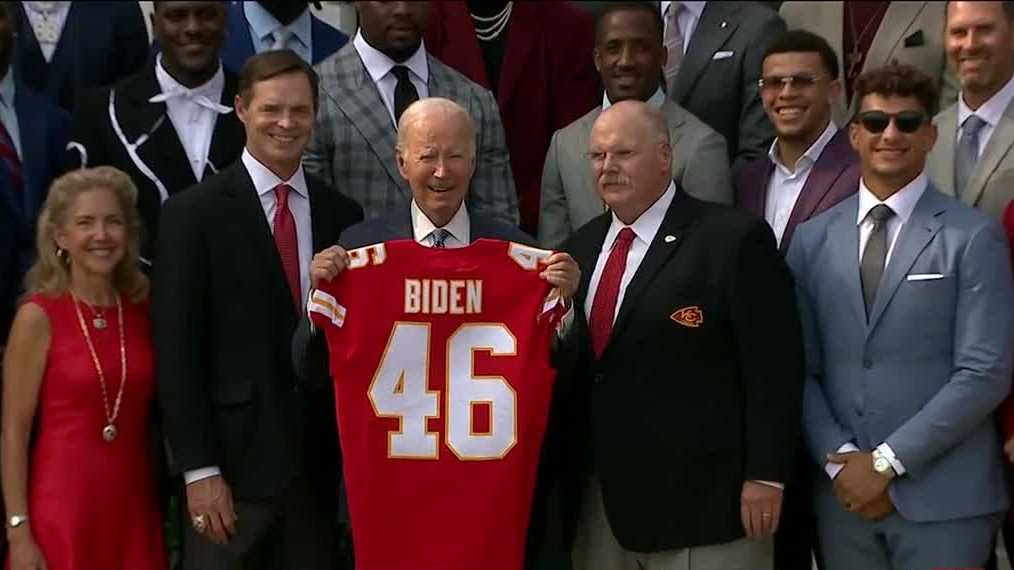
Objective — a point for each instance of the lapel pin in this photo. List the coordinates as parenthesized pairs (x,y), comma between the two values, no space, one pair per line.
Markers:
(670,239)
(691,317)
(724,24)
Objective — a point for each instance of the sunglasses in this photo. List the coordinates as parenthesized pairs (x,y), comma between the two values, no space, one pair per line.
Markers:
(906,121)
(774,83)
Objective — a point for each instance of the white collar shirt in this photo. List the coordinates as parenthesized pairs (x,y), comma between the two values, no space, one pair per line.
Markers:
(265,181)
(991,112)
(264,29)
(48,20)
(194,122)
(656,100)
(902,202)
(379,67)
(786,185)
(459,227)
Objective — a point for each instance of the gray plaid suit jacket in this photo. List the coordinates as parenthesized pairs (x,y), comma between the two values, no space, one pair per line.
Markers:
(352,147)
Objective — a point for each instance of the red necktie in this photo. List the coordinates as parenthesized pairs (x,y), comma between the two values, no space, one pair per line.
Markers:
(9,156)
(284,227)
(604,305)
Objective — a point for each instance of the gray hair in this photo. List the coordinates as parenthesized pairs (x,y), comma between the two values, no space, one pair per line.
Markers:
(429,105)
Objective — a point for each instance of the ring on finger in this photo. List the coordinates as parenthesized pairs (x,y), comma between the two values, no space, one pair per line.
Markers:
(200,523)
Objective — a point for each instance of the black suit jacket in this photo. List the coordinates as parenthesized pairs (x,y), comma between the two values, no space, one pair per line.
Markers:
(677,415)
(101,43)
(97,143)
(222,320)
(723,92)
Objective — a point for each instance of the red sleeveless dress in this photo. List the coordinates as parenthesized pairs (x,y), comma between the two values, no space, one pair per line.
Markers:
(93,504)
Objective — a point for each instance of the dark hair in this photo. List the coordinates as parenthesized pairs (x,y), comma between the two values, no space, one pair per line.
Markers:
(269,64)
(1008,9)
(650,8)
(804,41)
(898,80)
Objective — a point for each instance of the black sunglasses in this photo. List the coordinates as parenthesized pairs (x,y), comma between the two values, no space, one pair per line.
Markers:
(906,121)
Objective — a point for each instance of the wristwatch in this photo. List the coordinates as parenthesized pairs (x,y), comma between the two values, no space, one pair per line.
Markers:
(17,520)
(882,465)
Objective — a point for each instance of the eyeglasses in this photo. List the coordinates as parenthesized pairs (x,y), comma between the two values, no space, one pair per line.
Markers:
(773,83)
(906,121)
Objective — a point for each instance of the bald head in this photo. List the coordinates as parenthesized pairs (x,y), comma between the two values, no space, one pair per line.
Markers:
(436,156)
(631,157)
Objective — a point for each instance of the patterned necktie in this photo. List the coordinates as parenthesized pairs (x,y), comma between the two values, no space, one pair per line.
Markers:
(871,267)
(284,227)
(967,153)
(604,306)
(438,238)
(674,43)
(404,92)
(9,156)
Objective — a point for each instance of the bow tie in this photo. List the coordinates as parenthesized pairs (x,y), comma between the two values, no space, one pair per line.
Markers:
(196,98)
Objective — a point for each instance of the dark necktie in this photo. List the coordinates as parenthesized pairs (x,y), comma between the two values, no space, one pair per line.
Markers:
(9,156)
(967,153)
(604,305)
(404,92)
(439,238)
(871,268)
(284,227)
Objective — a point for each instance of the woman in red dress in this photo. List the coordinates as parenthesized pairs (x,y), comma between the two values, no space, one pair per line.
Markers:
(78,390)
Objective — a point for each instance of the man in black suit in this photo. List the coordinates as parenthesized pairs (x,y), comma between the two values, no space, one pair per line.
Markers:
(257,453)
(691,363)
(171,124)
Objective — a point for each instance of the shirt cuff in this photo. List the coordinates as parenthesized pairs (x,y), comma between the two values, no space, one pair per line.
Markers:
(832,469)
(566,322)
(888,453)
(195,475)
(774,484)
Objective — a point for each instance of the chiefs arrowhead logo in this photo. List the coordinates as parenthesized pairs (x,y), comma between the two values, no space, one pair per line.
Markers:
(691,316)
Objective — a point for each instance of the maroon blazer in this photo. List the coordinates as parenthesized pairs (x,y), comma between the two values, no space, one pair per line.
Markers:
(834,177)
(547,79)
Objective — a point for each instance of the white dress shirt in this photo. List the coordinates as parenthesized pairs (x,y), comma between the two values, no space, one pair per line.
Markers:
(655,101)
(264,182)
(47,20)
(379,67)
(265,28)
(8,114)
(459,228)
(991,111)
(903,203)
(786,185)
(191,116)
(687,19)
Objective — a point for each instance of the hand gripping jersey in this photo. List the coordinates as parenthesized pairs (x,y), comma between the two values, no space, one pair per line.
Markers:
(440,359)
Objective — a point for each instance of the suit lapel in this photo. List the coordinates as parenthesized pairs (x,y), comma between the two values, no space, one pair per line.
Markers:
(253,226)
(922,225)
(522,37)
(586,253)
(715,27)
(829,167)
(586,183)
(33,153)
(228,137)
(898,18)
(357,96)
(843,237)
(941,164)
(999,145)
(758,177)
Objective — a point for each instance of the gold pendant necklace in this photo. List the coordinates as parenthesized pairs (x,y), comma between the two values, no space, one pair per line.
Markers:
(109,432)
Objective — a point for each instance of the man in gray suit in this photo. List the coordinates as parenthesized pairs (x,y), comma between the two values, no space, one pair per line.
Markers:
(908,317)
(629,56)
(365,87)
(972,159)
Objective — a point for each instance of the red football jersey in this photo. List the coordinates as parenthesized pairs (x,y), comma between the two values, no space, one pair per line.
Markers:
(440,359)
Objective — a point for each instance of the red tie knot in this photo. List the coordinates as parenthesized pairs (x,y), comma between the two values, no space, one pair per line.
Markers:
(282,195)
(625,237)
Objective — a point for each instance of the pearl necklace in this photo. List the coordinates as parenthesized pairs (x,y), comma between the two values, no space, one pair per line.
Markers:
(494,25)
(109,432)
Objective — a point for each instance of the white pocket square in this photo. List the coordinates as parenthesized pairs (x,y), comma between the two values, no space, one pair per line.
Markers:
(924,276)
(723,55)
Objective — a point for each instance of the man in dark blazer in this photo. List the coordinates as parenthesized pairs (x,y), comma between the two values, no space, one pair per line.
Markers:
(171,124)
(306,34)
(691,364)
(257,453)
(716,77)
(811,166)
(38,131)
(98,44)
(537,67)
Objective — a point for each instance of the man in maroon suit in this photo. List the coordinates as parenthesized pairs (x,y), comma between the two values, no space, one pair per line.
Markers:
(809,168)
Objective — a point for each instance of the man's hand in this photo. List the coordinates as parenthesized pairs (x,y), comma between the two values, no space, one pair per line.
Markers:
(760,509)
(878,508)
(563,273)
(212,499)
(857,484)
(327,264)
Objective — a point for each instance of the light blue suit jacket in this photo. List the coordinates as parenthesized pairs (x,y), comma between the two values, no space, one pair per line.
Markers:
(933,362)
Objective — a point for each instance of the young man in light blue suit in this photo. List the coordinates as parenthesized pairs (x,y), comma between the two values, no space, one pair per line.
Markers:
(908,316)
